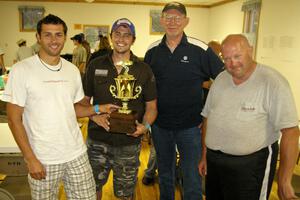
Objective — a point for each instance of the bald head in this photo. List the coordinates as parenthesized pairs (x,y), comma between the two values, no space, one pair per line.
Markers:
(236,39)
(237,56)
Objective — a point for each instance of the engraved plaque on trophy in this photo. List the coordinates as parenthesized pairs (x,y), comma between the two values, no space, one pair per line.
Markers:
(123,120)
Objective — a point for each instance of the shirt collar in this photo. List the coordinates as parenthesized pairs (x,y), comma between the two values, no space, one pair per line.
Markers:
(182,41)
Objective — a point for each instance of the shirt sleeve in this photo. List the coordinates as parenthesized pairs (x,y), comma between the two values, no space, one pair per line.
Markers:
(213,65)
(15,90)
(282,109)
(147,58)
(79,92)
(88,79)
(207,106)
(150,86)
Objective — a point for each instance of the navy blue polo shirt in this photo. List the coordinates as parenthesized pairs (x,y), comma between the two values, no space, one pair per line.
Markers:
(179,77)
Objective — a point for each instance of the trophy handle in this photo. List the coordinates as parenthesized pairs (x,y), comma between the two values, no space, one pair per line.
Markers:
(138,90)
(112,90)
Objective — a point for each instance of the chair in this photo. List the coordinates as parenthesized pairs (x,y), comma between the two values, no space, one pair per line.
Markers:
(5,195)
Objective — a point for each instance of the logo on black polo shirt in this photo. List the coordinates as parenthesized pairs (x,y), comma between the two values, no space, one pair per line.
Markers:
(101,72)
(185,59)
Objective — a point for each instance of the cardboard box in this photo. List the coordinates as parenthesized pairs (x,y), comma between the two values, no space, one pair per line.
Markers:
(13,164)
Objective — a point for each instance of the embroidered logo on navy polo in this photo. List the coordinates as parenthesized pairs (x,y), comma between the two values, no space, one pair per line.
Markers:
(185,59)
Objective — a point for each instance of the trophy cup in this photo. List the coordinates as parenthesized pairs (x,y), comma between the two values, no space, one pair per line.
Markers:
(123,120)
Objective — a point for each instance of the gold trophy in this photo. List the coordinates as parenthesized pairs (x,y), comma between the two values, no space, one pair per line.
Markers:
(123,120)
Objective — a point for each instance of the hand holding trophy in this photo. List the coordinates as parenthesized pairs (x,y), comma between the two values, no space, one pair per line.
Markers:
(123,120)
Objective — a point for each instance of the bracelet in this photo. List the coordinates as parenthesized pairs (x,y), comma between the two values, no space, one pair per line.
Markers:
(147,125)
(96,109)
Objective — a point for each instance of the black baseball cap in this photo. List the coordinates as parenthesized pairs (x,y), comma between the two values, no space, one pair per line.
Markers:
(175,5)
(77,37)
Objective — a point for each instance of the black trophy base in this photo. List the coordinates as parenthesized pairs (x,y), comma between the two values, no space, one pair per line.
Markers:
(123,123)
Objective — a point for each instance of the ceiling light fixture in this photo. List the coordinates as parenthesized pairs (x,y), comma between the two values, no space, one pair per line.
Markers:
(89,1)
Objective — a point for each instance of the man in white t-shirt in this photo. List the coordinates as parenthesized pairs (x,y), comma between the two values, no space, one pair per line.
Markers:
(247,109)
(44,94)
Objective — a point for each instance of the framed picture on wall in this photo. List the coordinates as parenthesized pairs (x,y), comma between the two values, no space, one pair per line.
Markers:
(92,33)
(29,17)
(155,27)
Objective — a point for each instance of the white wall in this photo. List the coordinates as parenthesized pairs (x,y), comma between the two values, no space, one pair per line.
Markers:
(279,40)
(225,19)
(92,14)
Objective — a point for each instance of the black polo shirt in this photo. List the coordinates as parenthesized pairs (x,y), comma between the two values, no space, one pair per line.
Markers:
(100,75)
(179,77)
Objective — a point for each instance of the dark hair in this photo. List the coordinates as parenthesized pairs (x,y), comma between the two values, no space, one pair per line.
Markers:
(104,43)
(51,19)
(22,44)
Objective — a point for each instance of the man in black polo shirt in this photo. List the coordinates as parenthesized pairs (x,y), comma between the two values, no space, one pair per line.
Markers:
(180,65)
(107,150)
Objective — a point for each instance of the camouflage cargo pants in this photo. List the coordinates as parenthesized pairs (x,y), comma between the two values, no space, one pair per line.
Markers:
(122,160)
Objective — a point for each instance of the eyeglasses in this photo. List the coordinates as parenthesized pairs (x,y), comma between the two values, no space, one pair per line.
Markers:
(176,18)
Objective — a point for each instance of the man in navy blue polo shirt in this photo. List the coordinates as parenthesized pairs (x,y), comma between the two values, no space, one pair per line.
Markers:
(180,65)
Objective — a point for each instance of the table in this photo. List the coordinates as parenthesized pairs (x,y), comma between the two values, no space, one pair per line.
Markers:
(7,142)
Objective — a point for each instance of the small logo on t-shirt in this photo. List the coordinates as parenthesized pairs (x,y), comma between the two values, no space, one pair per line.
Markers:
(248,107)
(185,59)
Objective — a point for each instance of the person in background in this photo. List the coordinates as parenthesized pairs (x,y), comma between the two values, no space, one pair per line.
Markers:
(216,47)
(104,47)
(79,54)
(247,109)
(23,51)
(43,94)
(180,65)
(107,150)
(36,47)
(2,65)
(87,47)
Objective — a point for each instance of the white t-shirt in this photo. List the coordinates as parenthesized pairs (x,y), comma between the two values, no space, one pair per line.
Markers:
(48,99)
(245,118)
